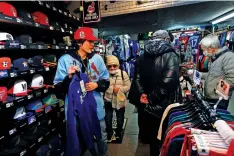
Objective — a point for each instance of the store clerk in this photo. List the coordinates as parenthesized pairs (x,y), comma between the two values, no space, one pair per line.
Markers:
(92,64)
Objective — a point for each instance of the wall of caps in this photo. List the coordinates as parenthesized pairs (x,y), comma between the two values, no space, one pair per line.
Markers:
(33,35)
(111,8)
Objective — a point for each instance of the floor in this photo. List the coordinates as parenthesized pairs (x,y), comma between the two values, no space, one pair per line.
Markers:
(130,145)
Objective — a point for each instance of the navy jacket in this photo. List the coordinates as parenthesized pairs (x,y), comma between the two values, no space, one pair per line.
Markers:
(81,111)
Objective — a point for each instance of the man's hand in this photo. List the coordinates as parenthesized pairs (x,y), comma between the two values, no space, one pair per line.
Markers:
(91,86)
(116,90)
(72,70)
(144,99)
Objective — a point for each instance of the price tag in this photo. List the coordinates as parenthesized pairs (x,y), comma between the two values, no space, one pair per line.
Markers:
(18,20)
(40,139)
(61,109)
(45,90)
(40,2)
(47,5)
(54,9)
(47,69)
(32,145)
(70,15)
(30,96)
(8,105)
(49,122)
(37,24)
(60,11)
(32,71)
(23,152)
(12,131)
(38,94)
(23,47)
(12,74)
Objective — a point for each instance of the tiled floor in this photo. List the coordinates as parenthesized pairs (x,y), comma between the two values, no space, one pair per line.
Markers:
(130,145)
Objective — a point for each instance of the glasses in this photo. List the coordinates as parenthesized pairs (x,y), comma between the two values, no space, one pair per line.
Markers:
(110,66)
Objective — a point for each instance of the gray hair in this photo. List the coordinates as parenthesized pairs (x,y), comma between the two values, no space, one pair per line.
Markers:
(211,41)
(160,34)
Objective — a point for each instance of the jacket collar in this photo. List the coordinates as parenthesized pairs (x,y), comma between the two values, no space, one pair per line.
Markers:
(220,53)
(74,54)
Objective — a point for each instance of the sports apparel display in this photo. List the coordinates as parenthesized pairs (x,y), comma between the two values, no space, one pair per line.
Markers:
(33,117)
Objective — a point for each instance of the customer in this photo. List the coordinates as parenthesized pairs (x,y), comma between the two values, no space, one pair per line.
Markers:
(119,82)
(157,81)
(84,60)
(222,67)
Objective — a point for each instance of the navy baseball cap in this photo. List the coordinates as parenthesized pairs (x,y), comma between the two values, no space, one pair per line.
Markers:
(24,39)
(25,15)
(21,64)
(56,145)
(36,61)
(44,150)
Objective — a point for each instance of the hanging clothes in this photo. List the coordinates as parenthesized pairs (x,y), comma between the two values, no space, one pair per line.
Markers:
(193,45)
(81,116)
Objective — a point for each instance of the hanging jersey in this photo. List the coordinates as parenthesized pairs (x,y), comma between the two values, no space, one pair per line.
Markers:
(194,43)
(223,39)
(228,35)
(183,42)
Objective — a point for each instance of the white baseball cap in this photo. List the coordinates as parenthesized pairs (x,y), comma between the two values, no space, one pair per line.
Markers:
(19,88)
(37,81)
(5,36)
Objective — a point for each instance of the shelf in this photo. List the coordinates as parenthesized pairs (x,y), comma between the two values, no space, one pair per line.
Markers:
(35,47)
(21,23)
(56,13)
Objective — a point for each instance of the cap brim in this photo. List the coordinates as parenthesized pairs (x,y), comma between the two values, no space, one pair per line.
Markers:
(23,94)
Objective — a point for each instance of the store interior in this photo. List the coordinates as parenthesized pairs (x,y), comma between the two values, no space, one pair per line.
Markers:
(35,34)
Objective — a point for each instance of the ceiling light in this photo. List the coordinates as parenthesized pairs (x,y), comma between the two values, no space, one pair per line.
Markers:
(221,19)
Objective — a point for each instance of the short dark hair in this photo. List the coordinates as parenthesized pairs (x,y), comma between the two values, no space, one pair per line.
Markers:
(76,43)
(171,36)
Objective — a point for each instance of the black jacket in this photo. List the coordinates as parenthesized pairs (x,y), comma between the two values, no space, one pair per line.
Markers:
(157,76)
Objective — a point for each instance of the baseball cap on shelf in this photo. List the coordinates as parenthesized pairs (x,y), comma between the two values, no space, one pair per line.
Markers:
(56,145)
(50,100)
(20,113)
(15,145)
(8,9)
(37,81)
(5,63)
(5,37)
(85,33)
(25,15)
(21,64)
(36,106)
(43,150)
(24,39)
(50,60)
(40,18)
(36,61)
(3,94)
(18,88)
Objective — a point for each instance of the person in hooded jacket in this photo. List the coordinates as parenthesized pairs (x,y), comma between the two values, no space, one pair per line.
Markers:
(157,84)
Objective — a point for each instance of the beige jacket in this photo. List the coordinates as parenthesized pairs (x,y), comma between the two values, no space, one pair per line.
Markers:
(116,80)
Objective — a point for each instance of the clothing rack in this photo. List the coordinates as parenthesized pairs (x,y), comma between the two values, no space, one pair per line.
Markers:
(220,31)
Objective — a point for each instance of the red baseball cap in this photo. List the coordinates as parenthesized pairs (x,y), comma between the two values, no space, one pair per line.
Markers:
(8,9)
(5,63)
(3,94)
(18,88)
(40,18)
(85,33)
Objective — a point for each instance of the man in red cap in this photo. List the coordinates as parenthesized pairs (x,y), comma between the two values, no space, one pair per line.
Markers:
(85,61)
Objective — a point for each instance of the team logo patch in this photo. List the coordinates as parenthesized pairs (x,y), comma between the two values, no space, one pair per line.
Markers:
(82,34)
(5,64)
(3,74)
(25,64)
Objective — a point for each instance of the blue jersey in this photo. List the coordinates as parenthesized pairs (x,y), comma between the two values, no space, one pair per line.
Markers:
(194,43)
(81,109)
(96,70)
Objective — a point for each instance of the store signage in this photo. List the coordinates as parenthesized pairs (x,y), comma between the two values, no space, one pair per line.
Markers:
(91,12)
